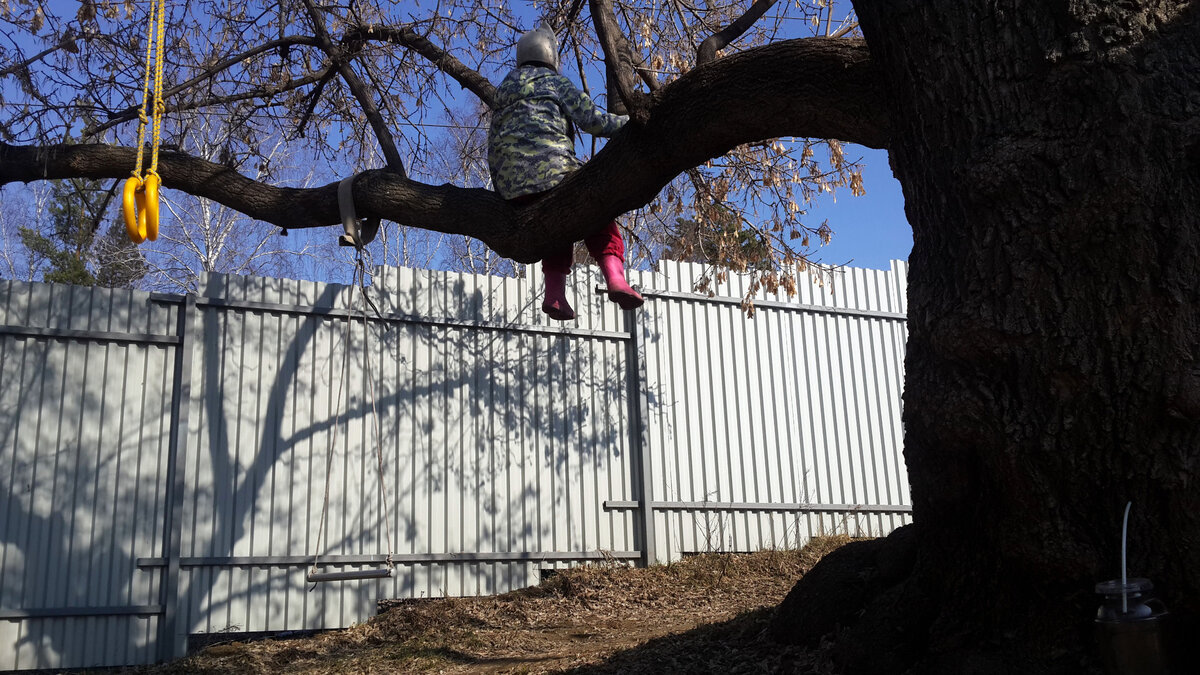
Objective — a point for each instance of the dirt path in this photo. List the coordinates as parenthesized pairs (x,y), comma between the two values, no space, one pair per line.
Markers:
(703,614)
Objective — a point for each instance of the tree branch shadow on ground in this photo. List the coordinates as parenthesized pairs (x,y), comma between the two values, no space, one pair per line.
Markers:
(739,645)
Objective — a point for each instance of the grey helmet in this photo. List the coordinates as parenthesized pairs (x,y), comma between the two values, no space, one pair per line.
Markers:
(540,45)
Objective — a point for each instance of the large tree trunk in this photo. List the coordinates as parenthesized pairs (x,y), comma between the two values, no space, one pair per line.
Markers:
(1049,152)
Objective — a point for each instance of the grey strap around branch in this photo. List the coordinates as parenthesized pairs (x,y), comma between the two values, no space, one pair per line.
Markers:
(359,233)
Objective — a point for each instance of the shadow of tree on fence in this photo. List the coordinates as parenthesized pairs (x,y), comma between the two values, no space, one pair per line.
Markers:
(495,438)
(508,430)
(84,427)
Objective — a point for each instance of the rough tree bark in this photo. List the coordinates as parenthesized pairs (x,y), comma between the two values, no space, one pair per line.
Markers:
(1049,152)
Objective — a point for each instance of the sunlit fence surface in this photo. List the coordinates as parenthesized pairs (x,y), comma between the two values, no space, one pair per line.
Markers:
(165,459)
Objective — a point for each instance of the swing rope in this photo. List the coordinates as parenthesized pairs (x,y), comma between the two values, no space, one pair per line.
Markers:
(383,494)
(140,203)
(154,55)
(360,275)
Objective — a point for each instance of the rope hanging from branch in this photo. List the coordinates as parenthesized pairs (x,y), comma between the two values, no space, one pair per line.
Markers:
(314,575)
(140,196)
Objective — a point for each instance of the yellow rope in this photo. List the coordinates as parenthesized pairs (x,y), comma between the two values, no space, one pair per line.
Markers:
(152,103)
(140,197)
(158,85)
(142,116)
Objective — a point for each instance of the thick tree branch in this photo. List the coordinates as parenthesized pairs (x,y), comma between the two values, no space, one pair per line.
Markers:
(359,89)
(618,59)
(825,88)
(612,83)
(30,61)
(443,60)
(709,48)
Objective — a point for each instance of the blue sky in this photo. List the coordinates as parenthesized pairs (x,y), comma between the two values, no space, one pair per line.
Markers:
(868,231)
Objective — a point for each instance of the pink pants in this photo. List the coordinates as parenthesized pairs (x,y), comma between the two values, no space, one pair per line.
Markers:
(605,242)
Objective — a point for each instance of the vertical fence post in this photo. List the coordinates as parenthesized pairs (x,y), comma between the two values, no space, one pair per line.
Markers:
(639,409)
(172,641)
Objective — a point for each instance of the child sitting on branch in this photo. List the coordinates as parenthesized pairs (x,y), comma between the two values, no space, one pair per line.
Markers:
(531,148)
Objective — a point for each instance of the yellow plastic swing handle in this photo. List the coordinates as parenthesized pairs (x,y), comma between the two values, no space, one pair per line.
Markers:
(150,206)
(140,207)
(134,229)
(139,199)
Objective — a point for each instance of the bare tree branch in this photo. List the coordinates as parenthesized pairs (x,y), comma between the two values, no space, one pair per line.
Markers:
(250,95)
(66,42)
(844,30)
(618,59)
(640,65)
(358,89)
(573,13)
(313,98)
(707,51)
(648,76)
(131,113)
(819,87)
(443,60)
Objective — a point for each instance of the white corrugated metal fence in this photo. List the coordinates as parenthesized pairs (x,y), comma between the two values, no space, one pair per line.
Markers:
(165,459)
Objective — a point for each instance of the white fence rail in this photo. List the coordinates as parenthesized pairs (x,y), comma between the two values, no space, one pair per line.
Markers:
(164,459)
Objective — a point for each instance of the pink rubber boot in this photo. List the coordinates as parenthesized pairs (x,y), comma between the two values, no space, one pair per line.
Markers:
(619,290)
(556,304)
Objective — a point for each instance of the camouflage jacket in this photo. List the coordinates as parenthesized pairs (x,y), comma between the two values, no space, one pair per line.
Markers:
(530,144)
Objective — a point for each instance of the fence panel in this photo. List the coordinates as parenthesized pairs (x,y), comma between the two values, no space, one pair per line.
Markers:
(770,430)
(508,443)
(85,414)
(499,441)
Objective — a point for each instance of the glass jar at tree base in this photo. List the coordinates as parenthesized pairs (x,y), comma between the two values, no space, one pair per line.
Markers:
(1129,628)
